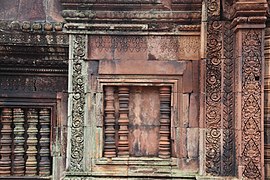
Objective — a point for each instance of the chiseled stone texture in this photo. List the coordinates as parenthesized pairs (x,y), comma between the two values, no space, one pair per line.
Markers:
(31,10)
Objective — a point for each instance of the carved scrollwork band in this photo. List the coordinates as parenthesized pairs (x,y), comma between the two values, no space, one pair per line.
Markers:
(213,98)
(78,102)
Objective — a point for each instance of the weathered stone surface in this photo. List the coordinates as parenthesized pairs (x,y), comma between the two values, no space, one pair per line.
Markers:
(31,10)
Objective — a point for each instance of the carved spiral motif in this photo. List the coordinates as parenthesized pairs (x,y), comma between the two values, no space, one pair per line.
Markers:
(78,101)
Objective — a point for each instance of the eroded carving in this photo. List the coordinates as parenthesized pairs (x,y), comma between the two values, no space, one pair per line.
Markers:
(78,102)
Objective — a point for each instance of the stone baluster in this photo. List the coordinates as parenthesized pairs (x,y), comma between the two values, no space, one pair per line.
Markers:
(123,147)
(19,140)
(31,162)
(44,142)
(109,144)
(165,115)
(6,142)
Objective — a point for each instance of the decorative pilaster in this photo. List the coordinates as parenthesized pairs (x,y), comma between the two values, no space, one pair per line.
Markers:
(31,153)
(19,140)
(44,142)
(165,120)
(123,147)
(249,88)
(249,113)
(109,123)
(77,101)
(6,141)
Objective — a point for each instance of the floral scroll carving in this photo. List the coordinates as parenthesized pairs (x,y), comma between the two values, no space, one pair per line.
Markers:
(78,102)
(213,98)
(251,103)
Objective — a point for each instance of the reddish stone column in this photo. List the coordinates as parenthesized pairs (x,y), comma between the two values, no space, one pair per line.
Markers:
(249,95)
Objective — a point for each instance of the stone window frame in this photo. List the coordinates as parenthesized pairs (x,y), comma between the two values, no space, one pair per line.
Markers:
(175,82)
(56,104)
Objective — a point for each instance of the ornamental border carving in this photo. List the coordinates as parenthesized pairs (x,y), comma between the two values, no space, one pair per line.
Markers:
(78,48)
(251,103)
(213,98)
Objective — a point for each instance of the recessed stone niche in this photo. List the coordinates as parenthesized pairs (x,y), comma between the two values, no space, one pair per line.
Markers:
(137,121)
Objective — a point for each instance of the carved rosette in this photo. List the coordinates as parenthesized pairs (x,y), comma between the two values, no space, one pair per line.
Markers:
(213,98)
(78,48)
(213,9)
(251,100)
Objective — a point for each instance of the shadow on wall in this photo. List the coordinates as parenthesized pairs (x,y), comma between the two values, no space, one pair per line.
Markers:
(31,10)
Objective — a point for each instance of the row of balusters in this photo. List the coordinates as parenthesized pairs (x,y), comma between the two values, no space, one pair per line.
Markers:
(110,149)
(25,142)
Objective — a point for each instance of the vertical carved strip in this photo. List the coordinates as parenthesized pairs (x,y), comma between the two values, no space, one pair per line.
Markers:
(32,131)
(123,147)
(44,142)
(109,111)
(78,101)
(252,62)
(228,155)
(165,117)
(19,140)
(213,98)
(5,151)
(267,103)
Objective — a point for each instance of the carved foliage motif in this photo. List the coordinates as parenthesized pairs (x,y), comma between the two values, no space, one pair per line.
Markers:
(228,98)
(251,103)
(213,9)
(78,102)
(213,98)
(121,43)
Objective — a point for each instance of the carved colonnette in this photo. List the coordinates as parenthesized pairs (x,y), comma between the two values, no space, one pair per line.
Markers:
(123,147)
